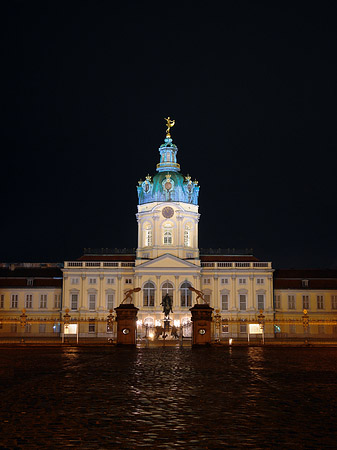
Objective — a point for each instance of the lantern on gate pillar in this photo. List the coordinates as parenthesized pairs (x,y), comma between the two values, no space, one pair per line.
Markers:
(305,319)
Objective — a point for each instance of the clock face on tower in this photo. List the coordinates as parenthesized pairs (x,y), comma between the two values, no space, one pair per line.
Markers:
(167,212)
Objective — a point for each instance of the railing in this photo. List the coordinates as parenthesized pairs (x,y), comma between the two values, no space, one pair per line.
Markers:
(237,265)
(99,264)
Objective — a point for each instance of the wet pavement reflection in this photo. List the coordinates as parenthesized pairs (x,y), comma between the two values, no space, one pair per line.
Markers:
(168,398)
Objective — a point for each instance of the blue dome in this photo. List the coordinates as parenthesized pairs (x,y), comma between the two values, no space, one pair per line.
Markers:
(168,185)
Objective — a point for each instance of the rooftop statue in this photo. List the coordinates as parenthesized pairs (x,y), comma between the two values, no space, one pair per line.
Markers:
(169,123)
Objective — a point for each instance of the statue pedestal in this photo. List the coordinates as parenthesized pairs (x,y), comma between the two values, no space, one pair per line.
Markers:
(201,320)
(126,318)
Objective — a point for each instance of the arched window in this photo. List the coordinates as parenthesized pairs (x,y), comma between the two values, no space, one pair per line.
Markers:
(167,288)
(185,295)
(148,321)
(148,235)
(168,235)
(148,294)
(187,236)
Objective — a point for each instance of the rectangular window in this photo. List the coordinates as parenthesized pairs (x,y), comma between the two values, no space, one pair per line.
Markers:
(320,302)
(29,281)
(224,302)
(92,302)
(260,302)
(14,300)
(305,301)
(260,280)
(43,301)
(110,281)
(92,280)
(243,302)
(2,301)
(225,329)
(224,280)
(42,328)
(207,280)
(57,301)
(243,328)
(333,302)
(29,301)
(305,283)
(74,302)
(110,301)
(128,280)
(291,302)
(189,255)
(242,281)
(92,327)
(277,302)
(74,280)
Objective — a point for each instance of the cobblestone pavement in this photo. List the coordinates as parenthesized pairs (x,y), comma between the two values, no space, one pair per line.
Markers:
(168,398)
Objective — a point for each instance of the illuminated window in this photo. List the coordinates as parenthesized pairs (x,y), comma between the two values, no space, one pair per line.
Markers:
(43,301)
(92,327)
(185,295)
(29,281)
(74,302)
(243,302)
(148,236)
(92,302)
(291,302)
(148,294)
(260,301)
(29,301)
(334,302)
(128,280)
(224,280)
(224,302)
(305,301)
(110,281)
(277,302)
(242,281)
(320,302)
(168,235)
(305,283)
(74,280)
(207,280)
(14,300)
(260,280)
(92,281)
(225,329)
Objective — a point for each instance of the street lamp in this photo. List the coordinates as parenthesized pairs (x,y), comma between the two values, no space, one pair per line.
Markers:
(260,318)
(217,319)
(110,324)
(23,322)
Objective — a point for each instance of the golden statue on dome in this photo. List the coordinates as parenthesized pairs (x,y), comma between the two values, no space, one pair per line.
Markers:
(169,123)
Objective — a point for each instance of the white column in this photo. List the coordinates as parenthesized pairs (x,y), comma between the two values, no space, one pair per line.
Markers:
(157,299)
(82,296)
(251,306)
(176,299)
(216,293)
(101,306)
(234,294)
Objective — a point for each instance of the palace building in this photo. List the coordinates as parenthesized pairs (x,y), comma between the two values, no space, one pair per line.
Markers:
(239,287)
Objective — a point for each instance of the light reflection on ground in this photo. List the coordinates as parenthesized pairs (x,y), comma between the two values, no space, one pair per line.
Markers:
(168,398)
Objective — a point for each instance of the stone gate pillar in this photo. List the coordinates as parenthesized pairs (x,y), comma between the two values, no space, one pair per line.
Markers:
(126,318)
(201,320)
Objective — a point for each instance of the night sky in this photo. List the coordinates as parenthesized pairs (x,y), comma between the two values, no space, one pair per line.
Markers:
(85,89)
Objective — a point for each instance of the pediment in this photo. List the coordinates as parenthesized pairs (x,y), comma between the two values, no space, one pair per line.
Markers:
(167,261)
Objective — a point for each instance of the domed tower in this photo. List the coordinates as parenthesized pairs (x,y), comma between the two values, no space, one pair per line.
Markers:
(168,209)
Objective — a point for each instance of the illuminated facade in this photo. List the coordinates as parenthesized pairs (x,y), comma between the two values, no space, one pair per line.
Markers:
(239,287)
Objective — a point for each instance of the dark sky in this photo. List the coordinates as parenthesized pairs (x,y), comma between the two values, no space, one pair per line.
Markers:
(85,89)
